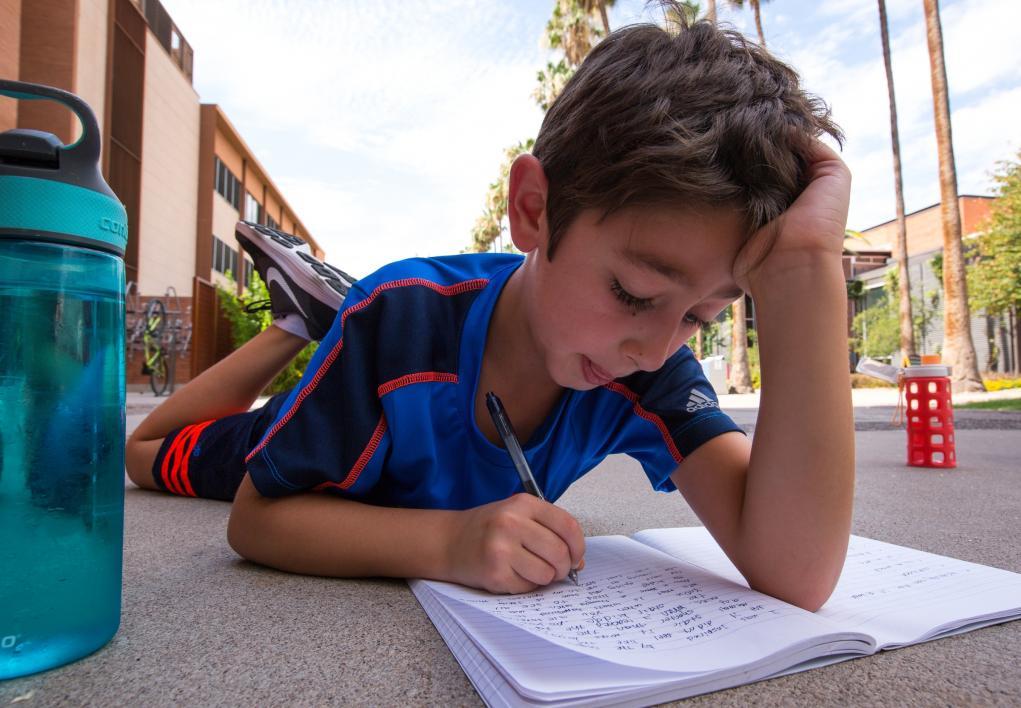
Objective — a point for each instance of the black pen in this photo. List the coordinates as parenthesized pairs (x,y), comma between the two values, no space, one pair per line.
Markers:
(510,441)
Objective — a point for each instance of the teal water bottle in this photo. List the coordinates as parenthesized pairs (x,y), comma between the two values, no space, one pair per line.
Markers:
(62,239)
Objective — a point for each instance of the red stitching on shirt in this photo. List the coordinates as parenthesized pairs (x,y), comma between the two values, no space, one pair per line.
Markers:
(651,417)
(408,379)
(363,459)
(448,290)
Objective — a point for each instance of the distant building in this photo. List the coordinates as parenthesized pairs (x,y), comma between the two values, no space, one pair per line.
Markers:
(925,243)
(182,170)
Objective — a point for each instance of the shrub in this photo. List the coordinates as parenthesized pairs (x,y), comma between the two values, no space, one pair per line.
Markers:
(753,359)
(863,381)
(1000,383)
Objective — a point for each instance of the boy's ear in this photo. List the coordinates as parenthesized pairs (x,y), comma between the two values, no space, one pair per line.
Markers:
(526,203)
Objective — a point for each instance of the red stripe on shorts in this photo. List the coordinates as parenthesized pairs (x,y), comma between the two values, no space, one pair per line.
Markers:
(182,469)
(172,459)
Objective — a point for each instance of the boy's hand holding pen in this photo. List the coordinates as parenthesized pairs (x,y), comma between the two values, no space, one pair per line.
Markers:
(510,442)
(512,545)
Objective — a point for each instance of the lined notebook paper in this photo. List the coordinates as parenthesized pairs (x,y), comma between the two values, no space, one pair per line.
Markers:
(665,615)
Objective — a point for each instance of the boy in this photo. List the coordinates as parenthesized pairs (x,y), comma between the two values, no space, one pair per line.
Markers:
(673,174)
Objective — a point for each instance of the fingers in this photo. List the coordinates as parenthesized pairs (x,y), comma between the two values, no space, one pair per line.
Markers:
(550,550)
(821,151)
(542,543)
(824,161)
(560,532)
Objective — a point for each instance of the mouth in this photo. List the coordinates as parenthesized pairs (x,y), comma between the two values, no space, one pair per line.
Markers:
(593,374)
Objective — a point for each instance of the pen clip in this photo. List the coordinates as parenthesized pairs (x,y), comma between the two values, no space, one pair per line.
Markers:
(496,411)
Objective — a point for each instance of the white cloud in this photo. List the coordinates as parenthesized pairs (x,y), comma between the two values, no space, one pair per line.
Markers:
(994,133)
(842,62)
(383,123)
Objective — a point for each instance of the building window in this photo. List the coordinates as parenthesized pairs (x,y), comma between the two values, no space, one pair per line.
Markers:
(271,222)
(253,210)
(228,185)
(249,270)
(225,258)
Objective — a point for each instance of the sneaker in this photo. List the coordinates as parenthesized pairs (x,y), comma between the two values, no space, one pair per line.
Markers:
(305,293)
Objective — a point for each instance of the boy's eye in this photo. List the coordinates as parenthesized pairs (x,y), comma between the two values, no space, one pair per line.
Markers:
(635,304)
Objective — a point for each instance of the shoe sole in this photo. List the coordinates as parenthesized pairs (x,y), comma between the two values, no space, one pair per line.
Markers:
(314,279)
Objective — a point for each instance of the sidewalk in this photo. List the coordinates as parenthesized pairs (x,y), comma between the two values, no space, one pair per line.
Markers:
(139,401)
(202,627)
(875,409)
(871,398)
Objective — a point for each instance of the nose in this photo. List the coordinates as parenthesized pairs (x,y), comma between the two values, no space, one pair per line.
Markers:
(650,350)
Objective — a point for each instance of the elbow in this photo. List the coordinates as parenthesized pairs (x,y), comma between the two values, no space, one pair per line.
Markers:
(812,598)
(804,577)
(809,593)
(242,526)
(237,531)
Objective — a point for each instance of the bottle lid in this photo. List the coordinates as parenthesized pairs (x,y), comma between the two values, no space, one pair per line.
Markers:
(55,192)
(926,371)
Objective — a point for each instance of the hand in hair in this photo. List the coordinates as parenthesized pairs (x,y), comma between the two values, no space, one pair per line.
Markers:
(809,232)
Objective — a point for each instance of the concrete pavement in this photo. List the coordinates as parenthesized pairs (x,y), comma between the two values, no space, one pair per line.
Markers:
(202,627)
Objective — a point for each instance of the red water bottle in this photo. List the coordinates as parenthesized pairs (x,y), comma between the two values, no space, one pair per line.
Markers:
(930,417)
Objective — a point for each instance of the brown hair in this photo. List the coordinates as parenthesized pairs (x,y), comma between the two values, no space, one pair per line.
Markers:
(702,117)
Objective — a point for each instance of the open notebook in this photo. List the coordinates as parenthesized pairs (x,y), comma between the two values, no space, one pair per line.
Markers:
(664,615)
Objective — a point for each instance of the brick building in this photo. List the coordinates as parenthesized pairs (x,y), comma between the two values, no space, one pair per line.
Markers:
(925,243)
(183,172)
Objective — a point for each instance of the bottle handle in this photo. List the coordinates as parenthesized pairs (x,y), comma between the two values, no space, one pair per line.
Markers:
(86,150)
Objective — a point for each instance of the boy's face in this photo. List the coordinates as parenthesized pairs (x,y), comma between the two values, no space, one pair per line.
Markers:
(625,294)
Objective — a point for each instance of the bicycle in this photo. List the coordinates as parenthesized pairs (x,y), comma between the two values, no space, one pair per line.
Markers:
(155,362)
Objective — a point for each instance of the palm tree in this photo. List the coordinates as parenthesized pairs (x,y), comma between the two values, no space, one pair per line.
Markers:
(710,13)
(907,330)
(600,6)
(958,346)
(571,29)
(739,5)
(740,372)
(681,15)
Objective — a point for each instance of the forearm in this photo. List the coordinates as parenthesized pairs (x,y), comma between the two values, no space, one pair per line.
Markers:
(799,490)
(321,534)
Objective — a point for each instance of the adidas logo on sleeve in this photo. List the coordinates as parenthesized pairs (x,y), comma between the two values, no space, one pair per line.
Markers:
(698,400)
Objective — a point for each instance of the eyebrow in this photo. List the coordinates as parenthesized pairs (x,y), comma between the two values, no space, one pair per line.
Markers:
(651,262)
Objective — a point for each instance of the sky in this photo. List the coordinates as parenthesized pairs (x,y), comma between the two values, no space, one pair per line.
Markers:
(383,122)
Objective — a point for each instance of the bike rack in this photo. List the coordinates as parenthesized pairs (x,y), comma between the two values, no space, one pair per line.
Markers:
(175,337)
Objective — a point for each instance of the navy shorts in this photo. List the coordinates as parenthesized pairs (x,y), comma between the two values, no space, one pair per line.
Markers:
(208,459)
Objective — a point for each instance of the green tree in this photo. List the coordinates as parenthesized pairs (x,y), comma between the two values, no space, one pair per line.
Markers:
(876,330)
(489,225)
(573,29)
(755,5)
(681,14)
(994,274)
(250,316)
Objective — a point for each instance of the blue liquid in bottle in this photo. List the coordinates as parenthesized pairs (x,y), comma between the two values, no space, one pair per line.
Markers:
(61,452)
(63,234)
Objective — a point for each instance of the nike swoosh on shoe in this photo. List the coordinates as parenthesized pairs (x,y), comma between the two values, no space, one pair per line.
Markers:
(275,276)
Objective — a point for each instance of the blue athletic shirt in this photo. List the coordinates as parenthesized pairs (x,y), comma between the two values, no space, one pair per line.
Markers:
(385,412)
